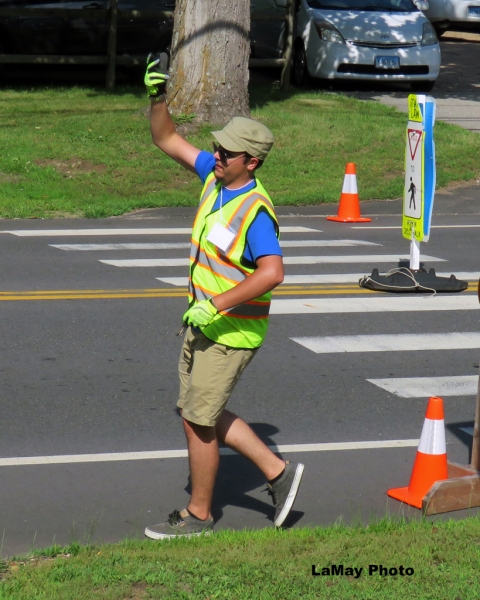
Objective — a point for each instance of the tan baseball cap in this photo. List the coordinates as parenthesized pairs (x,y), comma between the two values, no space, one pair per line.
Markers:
(245,135)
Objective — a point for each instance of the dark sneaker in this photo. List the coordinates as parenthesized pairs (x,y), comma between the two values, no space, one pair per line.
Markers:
(180,523)
(284,491)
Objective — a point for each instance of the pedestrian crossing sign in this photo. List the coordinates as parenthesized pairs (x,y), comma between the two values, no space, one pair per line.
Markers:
(419,185)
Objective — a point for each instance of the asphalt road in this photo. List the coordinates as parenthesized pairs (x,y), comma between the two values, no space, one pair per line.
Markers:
(89,368)
(89,357)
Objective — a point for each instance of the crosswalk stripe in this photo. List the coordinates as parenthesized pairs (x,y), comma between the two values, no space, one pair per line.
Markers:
(424,387)
(320,279)
(166,246)
(131,231)
(108,247)
(390,343)
(324,243)
(372,304)
(175,230)
(355,258)
(355,277)
(331,278)
(99,232)
(148,262)
(287,260)
(299,230)
(176,281)
(162,454)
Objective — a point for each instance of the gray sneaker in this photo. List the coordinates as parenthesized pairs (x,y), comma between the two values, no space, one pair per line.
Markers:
(284,491)
(180,523)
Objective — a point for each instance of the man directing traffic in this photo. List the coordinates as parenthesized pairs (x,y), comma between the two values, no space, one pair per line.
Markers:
(235,263)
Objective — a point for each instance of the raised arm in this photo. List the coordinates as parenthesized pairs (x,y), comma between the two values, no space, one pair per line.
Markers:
(162,127)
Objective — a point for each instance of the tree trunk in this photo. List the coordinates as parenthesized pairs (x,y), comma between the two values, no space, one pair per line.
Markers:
(209,66)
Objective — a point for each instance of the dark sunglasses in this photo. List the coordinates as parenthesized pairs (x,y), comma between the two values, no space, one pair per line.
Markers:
(225,155)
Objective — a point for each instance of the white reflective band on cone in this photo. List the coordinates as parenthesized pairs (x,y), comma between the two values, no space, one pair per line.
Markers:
(432,440)
(350,184)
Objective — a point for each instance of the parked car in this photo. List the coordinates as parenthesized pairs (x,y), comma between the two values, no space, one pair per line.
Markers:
(375,40)
(80,35)
(453,14)
(267,37)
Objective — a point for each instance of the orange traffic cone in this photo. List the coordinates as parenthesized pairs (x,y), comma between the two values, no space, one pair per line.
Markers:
(431,461)
(349,209)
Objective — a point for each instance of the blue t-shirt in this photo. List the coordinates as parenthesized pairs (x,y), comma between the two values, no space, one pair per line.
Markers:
(261,237)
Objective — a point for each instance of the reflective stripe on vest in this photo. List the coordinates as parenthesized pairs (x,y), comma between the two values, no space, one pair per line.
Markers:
(213,272)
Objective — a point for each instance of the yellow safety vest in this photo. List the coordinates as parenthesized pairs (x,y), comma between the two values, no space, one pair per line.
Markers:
(213,272)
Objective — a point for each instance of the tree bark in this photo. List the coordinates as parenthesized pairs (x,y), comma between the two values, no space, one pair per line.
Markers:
(209,63)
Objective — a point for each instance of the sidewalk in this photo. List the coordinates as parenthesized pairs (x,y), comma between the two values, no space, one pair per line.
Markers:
(457,91)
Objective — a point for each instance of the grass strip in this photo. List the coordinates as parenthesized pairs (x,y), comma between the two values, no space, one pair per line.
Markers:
(87,152)
(266,564)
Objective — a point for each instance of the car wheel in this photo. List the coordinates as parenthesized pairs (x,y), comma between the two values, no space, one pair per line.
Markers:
(422,86)
(300,74)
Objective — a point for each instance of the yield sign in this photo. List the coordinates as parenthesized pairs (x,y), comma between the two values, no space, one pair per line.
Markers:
(414,137)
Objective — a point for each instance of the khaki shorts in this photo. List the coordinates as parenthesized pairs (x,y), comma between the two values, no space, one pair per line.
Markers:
(208,373)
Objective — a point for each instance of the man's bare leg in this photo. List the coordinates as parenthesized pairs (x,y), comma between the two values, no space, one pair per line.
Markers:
(203,459)
(236,434)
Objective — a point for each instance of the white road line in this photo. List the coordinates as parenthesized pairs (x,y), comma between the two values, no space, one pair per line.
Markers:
(288,280)
(324,243)
(468,276)
(354,277)
(85,232)
(352,258)
(332,278)
(178,281)
(134,231)
(298,230)
(390,343)
(106,247)
(287,260)
(124,456)
(283,244)
(372,304)
(148,262)
(377,227)
(424,387)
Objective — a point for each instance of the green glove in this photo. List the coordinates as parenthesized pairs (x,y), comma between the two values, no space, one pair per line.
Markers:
(200,314)
(156,76)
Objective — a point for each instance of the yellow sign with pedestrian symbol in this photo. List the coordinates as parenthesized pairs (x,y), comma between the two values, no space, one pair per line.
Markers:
(419,190)
(412,225)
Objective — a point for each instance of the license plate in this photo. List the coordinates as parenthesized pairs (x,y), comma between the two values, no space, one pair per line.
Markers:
(387,62)
(474,11)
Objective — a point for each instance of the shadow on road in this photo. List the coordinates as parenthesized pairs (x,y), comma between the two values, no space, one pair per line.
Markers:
(237,477)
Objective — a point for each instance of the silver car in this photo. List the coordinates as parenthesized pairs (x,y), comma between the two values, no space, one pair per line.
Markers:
(374,40)
(453,14)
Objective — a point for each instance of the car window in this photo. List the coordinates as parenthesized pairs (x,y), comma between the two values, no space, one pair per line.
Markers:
(370,5)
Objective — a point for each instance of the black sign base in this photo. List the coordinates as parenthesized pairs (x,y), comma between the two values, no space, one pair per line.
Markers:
(403,280)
